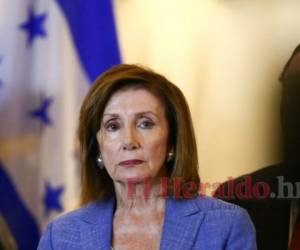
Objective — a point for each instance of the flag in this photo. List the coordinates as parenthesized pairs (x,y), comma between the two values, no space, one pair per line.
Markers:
(50,53)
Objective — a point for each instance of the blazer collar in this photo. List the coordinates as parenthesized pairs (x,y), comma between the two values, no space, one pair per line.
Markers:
(97,227)
(181,224)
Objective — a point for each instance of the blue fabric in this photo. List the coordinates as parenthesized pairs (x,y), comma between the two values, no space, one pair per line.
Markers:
(93,30)
(19,219)
(200,223)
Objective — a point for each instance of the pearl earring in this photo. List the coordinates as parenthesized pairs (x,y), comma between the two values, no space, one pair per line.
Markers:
(100,162)
(170,155)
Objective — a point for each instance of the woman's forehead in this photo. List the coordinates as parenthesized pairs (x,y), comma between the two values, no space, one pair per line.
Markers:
(134,100)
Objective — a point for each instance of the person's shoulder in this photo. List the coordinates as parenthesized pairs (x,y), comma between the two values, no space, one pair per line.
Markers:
(210,204)
(89,212)
(216,210)
(72,219)
(224,215)
(218,214)
(234,190)
(65,230)
(224,223)
(213,208)
(266,174)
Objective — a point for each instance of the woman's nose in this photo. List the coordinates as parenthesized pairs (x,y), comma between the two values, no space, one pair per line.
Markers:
(130,141)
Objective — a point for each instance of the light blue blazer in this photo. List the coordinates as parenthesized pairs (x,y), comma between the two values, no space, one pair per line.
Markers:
(199,223)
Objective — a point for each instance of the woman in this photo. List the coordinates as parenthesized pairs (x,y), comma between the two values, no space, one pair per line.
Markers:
(140,174)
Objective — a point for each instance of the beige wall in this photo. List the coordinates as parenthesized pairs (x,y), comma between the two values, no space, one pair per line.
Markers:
(226,57)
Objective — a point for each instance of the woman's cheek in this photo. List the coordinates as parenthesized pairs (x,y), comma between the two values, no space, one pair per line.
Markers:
(109,146)
(158,146)
(107,138)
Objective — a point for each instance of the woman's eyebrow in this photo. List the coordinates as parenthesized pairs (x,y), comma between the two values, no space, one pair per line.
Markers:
(142,113)
(111,114)
(146,113)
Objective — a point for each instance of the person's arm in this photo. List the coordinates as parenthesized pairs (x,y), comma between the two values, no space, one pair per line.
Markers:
(46,240)
(242,234)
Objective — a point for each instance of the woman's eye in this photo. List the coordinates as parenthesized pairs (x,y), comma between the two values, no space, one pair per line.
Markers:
(112,127)
(146,124)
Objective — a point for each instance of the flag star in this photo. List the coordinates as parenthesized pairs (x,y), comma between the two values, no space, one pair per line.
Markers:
(41,112)
(34,26)
(52,198)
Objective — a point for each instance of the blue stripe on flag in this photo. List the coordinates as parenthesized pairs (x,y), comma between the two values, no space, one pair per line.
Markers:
(21,222)
(93,30)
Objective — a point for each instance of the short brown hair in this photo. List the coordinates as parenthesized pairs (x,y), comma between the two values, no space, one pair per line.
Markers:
(96,184)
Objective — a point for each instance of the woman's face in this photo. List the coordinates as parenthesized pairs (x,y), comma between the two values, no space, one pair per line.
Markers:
(133,136)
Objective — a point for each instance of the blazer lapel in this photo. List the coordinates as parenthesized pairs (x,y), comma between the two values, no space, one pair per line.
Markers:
(97,226)
(181,224)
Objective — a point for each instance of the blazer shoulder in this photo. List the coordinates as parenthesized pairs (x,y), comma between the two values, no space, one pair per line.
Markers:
(222,211)
(210,204)
(218,224)
(88,213)
(213,209)
(70,216)
(69,221)
(65,230)
(218,211)
(225,223)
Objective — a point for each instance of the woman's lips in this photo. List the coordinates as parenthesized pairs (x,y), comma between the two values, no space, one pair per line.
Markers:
(129,163)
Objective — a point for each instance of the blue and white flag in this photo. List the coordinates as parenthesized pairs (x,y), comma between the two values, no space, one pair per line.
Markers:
(50,52)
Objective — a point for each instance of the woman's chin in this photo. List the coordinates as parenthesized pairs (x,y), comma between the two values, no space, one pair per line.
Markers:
(136,179)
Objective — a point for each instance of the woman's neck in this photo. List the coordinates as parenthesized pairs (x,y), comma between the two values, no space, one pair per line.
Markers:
(140,196)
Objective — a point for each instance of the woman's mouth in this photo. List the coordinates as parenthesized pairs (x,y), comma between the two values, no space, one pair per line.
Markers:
(131,162)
